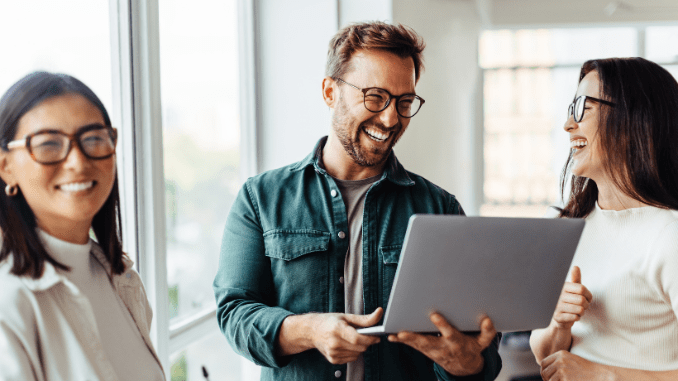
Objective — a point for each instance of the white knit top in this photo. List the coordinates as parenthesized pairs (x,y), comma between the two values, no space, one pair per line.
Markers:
(119,334)
(629,262)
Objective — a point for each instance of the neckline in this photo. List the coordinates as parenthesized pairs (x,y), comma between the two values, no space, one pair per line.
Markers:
(628,211)
(74,255)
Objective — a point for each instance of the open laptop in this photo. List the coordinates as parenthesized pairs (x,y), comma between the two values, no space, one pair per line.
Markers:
(511,269)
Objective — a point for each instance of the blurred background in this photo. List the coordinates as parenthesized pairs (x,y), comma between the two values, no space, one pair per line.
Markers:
(209,92)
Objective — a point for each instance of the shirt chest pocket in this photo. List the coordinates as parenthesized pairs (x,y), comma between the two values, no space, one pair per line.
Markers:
(300,267)
(390,256)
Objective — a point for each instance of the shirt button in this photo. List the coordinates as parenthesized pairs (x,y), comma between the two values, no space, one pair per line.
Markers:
(334,193)
(341,279)
(337,374)
(342,235)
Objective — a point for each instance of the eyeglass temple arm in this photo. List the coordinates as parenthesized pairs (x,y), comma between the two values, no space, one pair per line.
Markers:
(16,143)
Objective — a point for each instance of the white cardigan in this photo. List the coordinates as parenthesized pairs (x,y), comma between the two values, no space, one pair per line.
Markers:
(48,330)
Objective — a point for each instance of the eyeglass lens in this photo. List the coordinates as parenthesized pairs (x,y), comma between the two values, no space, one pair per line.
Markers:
(48,147)
(577,108)
(376,100)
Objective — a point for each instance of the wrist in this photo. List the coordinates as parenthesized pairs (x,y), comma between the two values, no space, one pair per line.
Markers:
(296,334)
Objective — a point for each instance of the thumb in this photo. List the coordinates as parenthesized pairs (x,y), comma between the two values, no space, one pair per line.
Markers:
(365,320)
(576,274)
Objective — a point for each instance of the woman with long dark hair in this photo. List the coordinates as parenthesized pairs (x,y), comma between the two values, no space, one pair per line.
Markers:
(616,318)
(71,306)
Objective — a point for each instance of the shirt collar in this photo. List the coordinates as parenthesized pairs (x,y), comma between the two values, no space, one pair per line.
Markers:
(393,170)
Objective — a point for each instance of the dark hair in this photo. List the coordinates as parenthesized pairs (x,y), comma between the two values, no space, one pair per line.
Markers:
(17,221)
(638,137)
(397,39)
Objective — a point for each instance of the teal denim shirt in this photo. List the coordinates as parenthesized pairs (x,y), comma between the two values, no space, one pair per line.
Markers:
(282,254)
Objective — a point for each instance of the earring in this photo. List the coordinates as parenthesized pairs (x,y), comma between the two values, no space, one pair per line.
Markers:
(11,190)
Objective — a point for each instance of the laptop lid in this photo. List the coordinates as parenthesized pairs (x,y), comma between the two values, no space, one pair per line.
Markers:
(511,269)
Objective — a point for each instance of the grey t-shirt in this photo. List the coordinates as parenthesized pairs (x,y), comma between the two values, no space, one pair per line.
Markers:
(353,193)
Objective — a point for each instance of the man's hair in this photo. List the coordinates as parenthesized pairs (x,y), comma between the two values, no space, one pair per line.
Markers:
(397,39)
(638,135)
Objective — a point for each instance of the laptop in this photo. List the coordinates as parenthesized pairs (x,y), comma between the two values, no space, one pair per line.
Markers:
(510,269)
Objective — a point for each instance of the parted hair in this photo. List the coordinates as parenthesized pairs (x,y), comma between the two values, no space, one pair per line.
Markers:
(397,39)
(17,221)
(638,136)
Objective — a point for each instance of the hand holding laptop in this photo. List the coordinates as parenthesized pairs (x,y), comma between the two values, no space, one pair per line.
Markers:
(458,353)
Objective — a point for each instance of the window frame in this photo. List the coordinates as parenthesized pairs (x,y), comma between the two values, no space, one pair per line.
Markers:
(135,37)
(479,136)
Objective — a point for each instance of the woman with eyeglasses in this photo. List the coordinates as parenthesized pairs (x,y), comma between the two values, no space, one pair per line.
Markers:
(71,306)
(616,317)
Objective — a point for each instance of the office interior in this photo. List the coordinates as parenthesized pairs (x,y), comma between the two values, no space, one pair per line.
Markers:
(207,93)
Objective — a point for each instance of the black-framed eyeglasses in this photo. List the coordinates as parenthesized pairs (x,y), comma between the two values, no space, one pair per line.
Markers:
(377,99)
(578,106)
(48,146)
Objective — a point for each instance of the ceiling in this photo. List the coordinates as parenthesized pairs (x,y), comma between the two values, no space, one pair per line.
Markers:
(516,13)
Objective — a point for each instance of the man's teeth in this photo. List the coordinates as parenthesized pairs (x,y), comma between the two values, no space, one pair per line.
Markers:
(76,187)
(578,143)
(376,135)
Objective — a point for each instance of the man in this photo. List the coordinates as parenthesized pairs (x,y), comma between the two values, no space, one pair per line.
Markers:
(310,248)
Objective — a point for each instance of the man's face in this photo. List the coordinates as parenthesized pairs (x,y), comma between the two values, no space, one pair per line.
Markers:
(368,137)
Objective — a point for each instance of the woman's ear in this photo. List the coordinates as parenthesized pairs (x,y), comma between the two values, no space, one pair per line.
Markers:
(330,91)
(6,168)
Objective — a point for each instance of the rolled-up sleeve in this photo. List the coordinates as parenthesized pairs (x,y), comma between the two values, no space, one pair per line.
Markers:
(243,287)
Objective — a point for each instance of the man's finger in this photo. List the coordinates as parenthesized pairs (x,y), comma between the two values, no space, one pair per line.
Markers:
(487,333)
(576,274)
(354,340)
(364,320)
(414,340)
(446,330)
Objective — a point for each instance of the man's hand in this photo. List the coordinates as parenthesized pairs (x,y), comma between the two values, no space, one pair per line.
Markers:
(457,353)
(573,302)
(564,366)
(334,335)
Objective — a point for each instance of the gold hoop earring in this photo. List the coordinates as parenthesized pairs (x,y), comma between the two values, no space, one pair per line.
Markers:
(11,190)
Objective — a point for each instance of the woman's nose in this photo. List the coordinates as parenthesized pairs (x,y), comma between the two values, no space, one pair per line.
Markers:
(570,124)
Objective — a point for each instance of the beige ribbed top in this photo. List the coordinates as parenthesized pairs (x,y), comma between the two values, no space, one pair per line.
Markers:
(629,262)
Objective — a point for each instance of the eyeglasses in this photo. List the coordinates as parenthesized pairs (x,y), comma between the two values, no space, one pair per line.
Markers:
(377,99)
(95,141)
(577,107)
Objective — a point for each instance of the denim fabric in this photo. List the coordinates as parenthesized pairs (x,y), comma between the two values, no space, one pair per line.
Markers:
(283,253)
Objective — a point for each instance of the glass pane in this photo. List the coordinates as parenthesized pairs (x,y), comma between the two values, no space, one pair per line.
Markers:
(525,108)
(213,353)
(46,35)
(661,43)
(549,47)
(575,46)
(201,135)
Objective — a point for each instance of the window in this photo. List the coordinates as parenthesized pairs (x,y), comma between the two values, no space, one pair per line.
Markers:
(56,39)
(530,77)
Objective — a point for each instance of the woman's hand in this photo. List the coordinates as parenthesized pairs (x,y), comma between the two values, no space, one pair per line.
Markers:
(564,366)
(573,302)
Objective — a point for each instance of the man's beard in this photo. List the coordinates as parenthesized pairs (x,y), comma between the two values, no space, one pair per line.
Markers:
(341,123)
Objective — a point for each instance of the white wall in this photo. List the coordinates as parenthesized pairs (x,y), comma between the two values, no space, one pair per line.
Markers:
(440,141)
(291,39)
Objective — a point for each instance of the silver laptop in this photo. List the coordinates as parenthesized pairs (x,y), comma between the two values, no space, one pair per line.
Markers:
(511,269)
